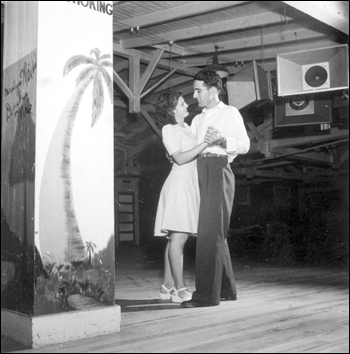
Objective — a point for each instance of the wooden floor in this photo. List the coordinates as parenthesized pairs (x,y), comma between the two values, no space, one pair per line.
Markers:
(279,310)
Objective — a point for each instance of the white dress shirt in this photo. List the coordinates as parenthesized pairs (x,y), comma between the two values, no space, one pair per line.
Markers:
(229,122)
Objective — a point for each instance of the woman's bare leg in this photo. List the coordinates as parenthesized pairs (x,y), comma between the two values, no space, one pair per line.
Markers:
(168,276)
(176,252)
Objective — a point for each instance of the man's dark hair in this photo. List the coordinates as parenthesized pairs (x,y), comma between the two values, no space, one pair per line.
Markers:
(210,79)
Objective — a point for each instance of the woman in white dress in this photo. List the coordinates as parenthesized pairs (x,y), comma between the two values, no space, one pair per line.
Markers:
(178,207)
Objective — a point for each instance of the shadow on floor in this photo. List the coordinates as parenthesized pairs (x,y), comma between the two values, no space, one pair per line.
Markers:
(8,346)
(145,305)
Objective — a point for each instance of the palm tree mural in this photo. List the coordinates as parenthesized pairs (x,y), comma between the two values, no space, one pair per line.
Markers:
(90,247)
(62,237)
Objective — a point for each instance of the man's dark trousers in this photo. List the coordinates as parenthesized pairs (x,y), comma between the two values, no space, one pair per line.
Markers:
(214,273)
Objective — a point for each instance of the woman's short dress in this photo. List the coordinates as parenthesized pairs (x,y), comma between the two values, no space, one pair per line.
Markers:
(178,206)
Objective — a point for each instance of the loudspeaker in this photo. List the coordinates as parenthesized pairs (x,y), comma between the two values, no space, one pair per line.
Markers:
(303,110)
(251,84)
(311,71)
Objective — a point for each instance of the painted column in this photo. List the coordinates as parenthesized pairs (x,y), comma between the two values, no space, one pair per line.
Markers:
(57,168)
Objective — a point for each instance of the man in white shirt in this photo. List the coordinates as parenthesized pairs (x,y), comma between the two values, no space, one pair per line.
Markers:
(214,273)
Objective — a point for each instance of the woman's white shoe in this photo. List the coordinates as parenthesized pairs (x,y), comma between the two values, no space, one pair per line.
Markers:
(166,293)
(181,295)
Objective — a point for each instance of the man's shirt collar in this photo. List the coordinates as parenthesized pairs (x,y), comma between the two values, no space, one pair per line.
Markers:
(220,105)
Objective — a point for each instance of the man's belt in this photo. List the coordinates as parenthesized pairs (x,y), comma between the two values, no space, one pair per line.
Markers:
(208,154)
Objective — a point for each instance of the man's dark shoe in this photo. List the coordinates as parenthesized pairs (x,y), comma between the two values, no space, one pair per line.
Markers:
(229,298)
(194,303)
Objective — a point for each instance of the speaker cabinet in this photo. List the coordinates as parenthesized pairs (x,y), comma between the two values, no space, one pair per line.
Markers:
(312,71)
(251,84)
(303,110)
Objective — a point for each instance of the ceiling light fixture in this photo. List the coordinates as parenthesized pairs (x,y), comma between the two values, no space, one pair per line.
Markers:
(215,66)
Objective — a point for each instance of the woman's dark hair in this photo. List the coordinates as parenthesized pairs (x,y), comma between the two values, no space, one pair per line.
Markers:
(165,106)
(210,79)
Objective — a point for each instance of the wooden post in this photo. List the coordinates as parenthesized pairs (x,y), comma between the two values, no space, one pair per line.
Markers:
(57,172)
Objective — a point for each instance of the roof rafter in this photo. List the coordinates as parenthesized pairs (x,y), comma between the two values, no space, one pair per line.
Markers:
(181,68)
(333,13)
(268,52)
(266,18)
(174,13)
(259,39)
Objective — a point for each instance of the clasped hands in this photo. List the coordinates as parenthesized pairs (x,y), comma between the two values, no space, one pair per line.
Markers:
(213,137)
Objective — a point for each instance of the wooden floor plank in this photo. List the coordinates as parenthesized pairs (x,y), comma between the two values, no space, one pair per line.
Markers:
(279,310)
(300,344)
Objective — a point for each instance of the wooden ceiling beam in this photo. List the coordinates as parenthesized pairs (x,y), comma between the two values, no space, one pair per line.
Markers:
(283,164)
(120,67)
(306,177)
(267,64)
(265,127)
(268,53)
(258,137)
(181,68)
(134,81)
(122,85)
(283,35)
(137,84)
(160,81)
(149,70)
(174,49)
(298,154)
(175,83)
(152,124)
(264,19)
(335,134)
(332,13)
(261,173)
(119,104)
(177,12)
